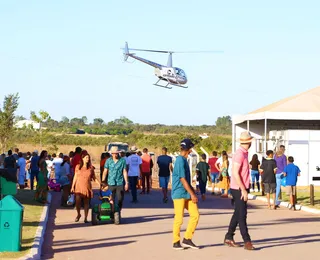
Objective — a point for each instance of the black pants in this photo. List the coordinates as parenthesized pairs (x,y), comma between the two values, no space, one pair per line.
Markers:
(117,192)
(133,180)
(146,179)
(239,217)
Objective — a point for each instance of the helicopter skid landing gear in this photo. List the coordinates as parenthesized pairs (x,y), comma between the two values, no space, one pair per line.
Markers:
(166,86)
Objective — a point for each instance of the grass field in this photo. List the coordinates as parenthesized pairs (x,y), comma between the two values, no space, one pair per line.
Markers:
(303,196)
(31,218)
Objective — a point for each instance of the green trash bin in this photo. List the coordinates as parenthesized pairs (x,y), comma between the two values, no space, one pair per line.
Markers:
(11,218)
(8,182)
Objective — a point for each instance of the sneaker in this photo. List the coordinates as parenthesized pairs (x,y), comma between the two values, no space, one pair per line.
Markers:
(177,246)
(189,244)
(165,200)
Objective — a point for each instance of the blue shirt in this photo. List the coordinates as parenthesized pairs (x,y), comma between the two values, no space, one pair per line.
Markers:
(292,172)
(164,163)
(181,170)
(115,171)
(34,163)
(106,193)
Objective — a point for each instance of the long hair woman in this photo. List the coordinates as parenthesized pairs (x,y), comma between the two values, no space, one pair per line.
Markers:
(255,176)
(81,186)
(42,181)
(225,176)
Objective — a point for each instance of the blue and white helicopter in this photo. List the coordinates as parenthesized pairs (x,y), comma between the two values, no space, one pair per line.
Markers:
(173,76)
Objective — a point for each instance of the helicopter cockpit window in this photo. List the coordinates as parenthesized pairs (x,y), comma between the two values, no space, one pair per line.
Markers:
(180,72)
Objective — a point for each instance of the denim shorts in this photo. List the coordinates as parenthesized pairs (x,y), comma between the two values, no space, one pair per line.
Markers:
(214,177)
(164,181)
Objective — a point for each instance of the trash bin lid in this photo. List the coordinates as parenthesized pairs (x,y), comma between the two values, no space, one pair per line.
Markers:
(10,203)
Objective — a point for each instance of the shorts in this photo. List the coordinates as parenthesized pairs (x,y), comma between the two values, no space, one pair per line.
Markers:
(270,188)
(215,177)
(164,181)
(291,190)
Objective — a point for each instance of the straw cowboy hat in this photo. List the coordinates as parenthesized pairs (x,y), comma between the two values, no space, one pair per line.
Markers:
(245,137)
(114,149)
(133,149)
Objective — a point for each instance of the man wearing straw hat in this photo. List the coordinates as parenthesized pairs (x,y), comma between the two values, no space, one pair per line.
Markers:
(116,170)
(240,184)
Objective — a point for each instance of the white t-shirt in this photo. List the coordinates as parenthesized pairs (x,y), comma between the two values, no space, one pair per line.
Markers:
(57,165)
(49,166)
(134,162)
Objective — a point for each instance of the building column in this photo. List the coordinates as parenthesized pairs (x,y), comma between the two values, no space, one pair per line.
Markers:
(248,125)
(265,136)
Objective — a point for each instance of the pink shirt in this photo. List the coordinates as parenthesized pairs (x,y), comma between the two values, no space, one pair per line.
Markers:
(241,157)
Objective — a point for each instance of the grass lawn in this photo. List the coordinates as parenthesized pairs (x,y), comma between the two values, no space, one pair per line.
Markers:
(31,218)
(303,196)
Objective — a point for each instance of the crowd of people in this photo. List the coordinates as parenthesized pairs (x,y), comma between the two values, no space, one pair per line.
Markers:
(122,171)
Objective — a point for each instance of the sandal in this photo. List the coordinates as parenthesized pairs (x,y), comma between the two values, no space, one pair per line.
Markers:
(86,221)
(77,218)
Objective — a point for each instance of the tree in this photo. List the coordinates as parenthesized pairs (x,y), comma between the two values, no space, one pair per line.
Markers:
(65,120)
(224,125)
(98,121)
(123,121)
(43,117)
(19,118)
(84,120)
(10,105)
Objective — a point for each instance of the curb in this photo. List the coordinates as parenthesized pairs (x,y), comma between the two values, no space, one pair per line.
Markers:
(283,204)
(35,251)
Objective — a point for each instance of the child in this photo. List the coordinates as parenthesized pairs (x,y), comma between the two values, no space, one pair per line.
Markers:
(203,174)
(225,183)
(268,170)
(291,172)
(105,192)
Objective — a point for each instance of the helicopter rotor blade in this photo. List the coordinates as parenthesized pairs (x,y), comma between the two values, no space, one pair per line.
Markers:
(163,51)
(150,50)
(197,51)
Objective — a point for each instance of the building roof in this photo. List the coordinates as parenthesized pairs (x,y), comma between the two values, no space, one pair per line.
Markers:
(304,106)
(308,101)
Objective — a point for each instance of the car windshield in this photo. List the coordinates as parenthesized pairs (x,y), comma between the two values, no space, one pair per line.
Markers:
(180,72)
(120,147)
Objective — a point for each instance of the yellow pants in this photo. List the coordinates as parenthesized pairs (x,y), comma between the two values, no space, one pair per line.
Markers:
(179,206)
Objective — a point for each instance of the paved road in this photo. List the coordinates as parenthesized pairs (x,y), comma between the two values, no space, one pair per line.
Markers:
(147,226)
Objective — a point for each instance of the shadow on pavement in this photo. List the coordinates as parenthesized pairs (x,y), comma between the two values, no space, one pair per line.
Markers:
(87,247)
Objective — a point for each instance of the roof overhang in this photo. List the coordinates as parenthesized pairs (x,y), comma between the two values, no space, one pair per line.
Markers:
(238,119)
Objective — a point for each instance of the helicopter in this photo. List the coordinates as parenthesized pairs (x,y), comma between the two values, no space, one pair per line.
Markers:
(172,76)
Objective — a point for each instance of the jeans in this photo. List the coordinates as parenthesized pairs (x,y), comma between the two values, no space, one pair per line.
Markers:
(278,180)
(117,192)
(202,187)
(239,217)
(255,176)
(179,206)
(133,180)
(34,173)
(145,178)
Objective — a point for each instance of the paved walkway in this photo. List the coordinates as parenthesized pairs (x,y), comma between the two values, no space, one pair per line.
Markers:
(147,226)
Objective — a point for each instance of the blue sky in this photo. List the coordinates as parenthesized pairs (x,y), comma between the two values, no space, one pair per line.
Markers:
(64,56)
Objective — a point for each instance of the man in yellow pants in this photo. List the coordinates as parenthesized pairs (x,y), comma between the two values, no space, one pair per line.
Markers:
(183,197)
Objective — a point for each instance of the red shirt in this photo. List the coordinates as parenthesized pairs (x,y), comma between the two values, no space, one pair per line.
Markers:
(75,161)
(241,157)
(212,163)
(146,163)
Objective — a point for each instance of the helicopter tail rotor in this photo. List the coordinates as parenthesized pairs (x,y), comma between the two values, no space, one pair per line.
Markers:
(125,52)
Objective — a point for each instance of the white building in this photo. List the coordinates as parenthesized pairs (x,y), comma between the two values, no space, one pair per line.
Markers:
(27,123)
(293,122)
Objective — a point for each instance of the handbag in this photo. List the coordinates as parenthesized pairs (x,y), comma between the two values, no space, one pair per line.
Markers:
(283,181)
(71,200)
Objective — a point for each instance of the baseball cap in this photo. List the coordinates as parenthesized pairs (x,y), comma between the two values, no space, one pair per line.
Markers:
(186,144)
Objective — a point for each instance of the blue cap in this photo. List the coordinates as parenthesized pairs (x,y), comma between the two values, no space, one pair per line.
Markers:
(186,144)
